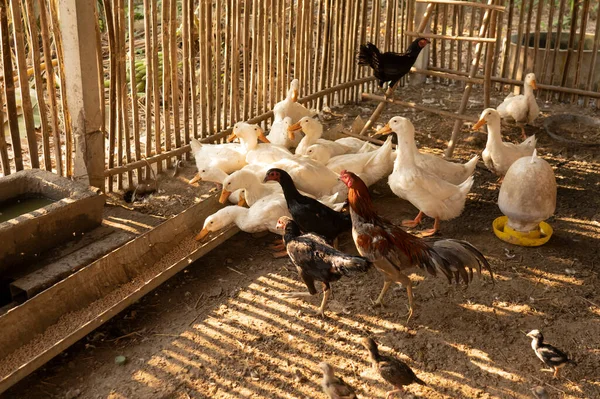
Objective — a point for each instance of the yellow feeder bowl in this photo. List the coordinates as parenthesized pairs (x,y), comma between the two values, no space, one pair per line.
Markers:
(533,238)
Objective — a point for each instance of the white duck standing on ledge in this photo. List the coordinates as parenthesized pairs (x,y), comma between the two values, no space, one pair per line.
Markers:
(498,156)
(289,107)
(522,108)
(429,193)
(313,130)
(258,153)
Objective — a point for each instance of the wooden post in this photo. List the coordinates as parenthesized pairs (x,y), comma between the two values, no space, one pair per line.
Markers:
(77,26)
(423,13)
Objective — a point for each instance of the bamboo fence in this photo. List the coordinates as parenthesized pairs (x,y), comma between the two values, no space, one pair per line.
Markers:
(171,70)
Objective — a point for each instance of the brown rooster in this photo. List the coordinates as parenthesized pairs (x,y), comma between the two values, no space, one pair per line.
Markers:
(392,250)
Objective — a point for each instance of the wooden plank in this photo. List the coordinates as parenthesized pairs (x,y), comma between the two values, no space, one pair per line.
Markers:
(19,46)
(9,87)
(98,279)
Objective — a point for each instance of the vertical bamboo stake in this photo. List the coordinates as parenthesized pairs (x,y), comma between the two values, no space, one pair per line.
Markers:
(63,94)
(489,58)
(165,32)
(218,68)
(186,28)
(442,42)
(527,35)
(517,62)
(298,35)
(154,12)
(471,29)
(498,44)
(290,43)
(272,60)
(121,87)
(459,45)
(548,41)
(149,84)
(226,60)
(590,78)
(204,66)
(210,60)
(561,12)
(39,85)
(235,65)
(363,39)
(174,78)
(538,21)
(333,73)
(254,38)
(194,52)
(454,33)
(263,57)
(9,88)
(281,35)
(308,44)
(506,55)
(325,49)
(3,147)
(346,50)
(124,107)
(434,42)
(50,85)
(572,34)
(19,39)
(355,45)
(584,17)
(100,61)
(112,114)
(318,44)
(247,49)
(133,84)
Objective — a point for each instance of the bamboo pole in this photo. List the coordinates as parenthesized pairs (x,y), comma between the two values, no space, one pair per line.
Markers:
(264,28)
(454,33)
(122,124)
(39,85)
(354,44)
(572,34)
(290,43)
(442,42)
(318,45)
(434,42)
(55,28)
(253,60)
(281,49)
(193,50)
(19,39)
(50,85)
(272,60)
(590,78)
(166,73)
(154,12)
(526,39)
(468,86)
(362,72)
(324,52)
(3,147)
(334,72)
(210,60)
(186,24)
(235,66)
(486,6)
(542,77)
(561,12)
(450,37)
(101,88)
(148,117)
(459,45)
(308,46)
(247,50)
(536,38)
(217,64)
(174,74)
(489,58)
(112,112)
(135,117)
(582,29)
(226,60)
(508,41)
(519,40)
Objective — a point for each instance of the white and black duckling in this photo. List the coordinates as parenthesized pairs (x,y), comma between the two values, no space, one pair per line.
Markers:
(316,260)
(393,370)
(335,387)
(550,355)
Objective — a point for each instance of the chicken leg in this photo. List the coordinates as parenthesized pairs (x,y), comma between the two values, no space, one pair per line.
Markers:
(415,222)
(391,274)
(395,391)
(326,293)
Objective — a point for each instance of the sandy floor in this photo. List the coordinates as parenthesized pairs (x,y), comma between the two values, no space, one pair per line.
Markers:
(220,329)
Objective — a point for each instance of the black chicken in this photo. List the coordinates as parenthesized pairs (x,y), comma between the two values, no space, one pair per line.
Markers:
(315,260)
(394,371)
(390,67)
(311,215)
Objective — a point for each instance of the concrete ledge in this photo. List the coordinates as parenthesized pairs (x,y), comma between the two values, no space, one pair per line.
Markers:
(77,209)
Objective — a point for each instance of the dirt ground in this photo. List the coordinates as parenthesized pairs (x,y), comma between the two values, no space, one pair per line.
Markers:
(221,329)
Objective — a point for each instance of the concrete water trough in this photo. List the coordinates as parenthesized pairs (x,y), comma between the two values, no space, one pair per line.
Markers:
(55,209)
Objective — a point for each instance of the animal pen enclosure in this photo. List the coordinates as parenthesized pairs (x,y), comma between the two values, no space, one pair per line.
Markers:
(171,70)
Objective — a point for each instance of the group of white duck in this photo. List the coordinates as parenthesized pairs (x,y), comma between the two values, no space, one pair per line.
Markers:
(436,187)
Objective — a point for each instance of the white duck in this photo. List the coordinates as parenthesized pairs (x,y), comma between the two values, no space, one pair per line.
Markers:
(262,216)
(279,134)
(432,195)
(255,189)
(356,145)
(522,108)
(313,130)
(290,107)
(225,158)
(498,155)
(264,153)
(323,154)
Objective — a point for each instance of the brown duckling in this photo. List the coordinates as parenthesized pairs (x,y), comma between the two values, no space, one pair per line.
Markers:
(394,371)
(333,386)
(550,355)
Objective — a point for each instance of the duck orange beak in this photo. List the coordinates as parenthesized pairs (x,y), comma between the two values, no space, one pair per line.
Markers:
(195,179)
(295,96)
(200,236)
(262,137)
(534,84)
(293,129)
(231,137)
(224,196)
(242,200)
(385,130)
(479,123)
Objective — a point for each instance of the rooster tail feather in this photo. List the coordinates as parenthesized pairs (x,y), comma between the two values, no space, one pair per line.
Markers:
(459,259)
(419,381)
(352,265)
(369,55)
